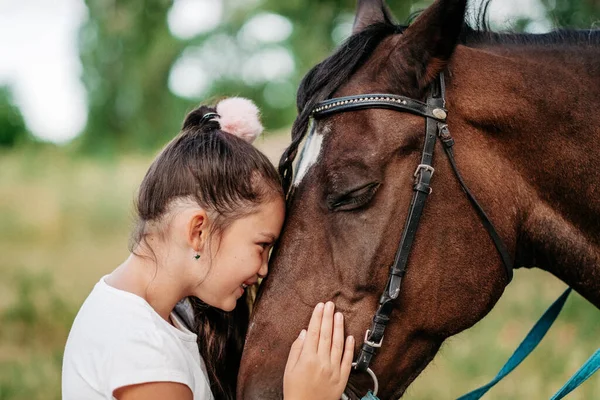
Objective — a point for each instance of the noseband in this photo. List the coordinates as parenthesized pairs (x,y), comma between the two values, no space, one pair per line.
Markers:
(435,116)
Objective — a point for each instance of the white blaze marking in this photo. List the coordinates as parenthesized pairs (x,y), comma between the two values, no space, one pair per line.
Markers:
(310,154)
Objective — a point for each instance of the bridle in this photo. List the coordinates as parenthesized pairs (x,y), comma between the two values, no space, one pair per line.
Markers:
(435,116)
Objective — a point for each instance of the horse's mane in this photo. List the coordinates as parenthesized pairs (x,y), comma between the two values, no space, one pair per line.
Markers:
(326,77)
(472,37)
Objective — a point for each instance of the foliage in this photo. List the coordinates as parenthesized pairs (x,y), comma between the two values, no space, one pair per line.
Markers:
(127,52)
(12,126)
(583,14)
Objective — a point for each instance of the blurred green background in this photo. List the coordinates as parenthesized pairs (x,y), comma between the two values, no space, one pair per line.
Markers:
(69,168)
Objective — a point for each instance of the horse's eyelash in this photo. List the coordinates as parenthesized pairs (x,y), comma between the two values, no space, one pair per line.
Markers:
(349,199)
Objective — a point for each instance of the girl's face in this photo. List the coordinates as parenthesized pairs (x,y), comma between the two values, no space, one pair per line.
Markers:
(240,255)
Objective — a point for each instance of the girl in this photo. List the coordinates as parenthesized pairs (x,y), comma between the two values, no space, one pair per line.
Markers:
(209,210)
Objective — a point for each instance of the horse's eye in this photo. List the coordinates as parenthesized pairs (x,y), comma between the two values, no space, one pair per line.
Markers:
(353,199)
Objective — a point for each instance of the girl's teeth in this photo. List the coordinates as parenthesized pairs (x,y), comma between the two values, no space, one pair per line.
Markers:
(244,286)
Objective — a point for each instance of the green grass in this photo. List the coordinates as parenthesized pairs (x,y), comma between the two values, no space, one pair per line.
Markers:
(64,222)
(34,327)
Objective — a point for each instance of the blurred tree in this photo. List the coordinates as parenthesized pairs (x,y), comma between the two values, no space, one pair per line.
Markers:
(127,52)
(573,13)
(12,126)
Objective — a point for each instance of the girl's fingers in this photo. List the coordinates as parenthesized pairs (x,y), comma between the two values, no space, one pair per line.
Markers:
(295,351)
(311,341)
(346,365)
(324,350)
(337,345)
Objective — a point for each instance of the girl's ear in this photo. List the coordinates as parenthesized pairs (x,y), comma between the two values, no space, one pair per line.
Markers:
(197,230)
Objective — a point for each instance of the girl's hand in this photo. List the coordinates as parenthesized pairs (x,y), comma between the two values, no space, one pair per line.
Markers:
(319,362)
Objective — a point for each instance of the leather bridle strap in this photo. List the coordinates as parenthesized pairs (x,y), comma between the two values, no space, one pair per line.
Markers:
(421,189)
(376,100)
(507,261)
(435,115)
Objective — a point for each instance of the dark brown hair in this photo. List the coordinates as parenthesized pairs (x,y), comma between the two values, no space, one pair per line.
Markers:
(229,178)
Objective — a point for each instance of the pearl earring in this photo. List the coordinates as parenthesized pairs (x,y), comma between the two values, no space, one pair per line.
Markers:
(197,256)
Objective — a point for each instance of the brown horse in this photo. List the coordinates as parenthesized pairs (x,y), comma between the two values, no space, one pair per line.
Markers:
(525,116)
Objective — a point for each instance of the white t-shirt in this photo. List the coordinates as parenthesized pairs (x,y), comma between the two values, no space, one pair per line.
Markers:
(118,339)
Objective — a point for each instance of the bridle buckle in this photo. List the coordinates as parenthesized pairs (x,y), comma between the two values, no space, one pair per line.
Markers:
(371,343)
(424,167)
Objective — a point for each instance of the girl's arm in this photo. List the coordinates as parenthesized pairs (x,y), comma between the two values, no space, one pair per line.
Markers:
(154,391)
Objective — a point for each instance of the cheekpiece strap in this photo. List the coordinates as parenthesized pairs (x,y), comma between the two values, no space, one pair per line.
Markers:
(421,189)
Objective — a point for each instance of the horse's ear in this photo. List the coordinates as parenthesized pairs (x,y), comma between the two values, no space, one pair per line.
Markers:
(431,39)
(369,12)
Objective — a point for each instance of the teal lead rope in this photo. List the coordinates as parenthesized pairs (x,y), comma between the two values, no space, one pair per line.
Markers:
(370,396)
(533,338)
(586,370)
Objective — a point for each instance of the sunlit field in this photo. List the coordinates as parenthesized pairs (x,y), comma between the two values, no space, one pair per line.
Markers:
(64,222)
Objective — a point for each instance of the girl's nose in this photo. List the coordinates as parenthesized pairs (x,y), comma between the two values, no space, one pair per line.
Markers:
(264,269)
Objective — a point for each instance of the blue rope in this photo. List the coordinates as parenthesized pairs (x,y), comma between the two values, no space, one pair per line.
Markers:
(370,396)
(591,365)
(533,338)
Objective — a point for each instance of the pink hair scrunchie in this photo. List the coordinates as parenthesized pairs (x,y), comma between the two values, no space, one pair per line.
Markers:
(240,117)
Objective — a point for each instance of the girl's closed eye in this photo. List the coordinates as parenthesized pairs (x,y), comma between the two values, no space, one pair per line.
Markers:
(266,240)
(265,245)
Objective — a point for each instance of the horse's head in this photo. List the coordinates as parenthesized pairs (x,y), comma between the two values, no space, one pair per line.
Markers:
(350,198)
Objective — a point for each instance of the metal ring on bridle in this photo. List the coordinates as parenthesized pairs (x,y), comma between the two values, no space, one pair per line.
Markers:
(375,382)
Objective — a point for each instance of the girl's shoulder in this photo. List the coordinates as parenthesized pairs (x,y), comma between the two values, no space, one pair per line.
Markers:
(114,316)
(111,311)
(120,340)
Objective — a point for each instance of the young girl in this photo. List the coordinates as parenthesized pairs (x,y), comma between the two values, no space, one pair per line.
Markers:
(169,322)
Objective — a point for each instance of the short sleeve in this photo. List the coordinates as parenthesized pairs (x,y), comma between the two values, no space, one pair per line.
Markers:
(143,357)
